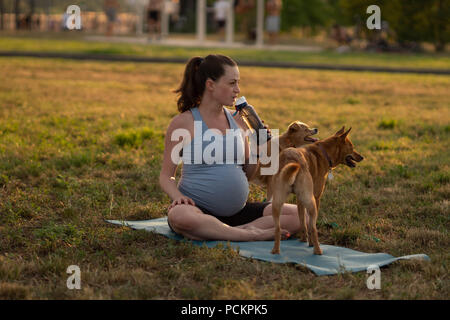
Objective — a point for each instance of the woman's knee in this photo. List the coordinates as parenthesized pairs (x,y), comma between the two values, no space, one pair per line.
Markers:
(181,217)
(287,209)
(290,212)
(290,209)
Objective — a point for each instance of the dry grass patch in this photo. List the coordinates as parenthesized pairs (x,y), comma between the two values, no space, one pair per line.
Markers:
(77,150)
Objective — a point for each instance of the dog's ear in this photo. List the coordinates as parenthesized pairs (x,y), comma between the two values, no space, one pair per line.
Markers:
(343,136)
(340,131)
(294,126)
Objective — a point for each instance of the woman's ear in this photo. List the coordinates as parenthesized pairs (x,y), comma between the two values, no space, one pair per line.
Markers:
(209,84)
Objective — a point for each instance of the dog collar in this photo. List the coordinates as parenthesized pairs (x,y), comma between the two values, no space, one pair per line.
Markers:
(330,174)
(326,155)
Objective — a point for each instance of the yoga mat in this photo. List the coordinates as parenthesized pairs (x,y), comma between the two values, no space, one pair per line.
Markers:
(333,261)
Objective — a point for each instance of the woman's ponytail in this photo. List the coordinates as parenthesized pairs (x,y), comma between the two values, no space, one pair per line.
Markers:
(188,90)
(197,71)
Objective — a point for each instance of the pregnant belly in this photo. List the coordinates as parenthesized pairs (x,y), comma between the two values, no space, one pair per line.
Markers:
(221,189)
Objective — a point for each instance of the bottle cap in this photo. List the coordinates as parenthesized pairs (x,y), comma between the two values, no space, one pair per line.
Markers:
(240,101)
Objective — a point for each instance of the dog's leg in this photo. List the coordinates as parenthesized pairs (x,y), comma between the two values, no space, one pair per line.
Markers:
(305,196)
(276,211)
(317,204)
(281,187)
(302,218)
(312,228)
(279,197)
(269,191)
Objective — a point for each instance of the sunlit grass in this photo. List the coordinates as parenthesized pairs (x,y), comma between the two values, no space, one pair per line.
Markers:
(81,142)
(75,43)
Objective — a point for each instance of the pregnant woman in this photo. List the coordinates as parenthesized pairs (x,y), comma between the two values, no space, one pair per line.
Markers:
(210,200)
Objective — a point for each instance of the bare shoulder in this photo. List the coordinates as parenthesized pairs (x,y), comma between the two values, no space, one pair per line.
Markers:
(181,121)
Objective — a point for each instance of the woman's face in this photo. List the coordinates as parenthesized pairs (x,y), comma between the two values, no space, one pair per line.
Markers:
(226,88)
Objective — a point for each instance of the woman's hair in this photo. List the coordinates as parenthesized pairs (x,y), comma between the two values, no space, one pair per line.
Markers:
(197,71)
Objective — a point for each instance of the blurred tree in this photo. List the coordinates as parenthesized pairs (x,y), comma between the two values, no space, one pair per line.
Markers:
(418,21)
(350,9)
(305,13)
(412,20)
(2,10)
(337,13)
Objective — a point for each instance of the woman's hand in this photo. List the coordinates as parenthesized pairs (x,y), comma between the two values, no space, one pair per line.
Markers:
(182,200)
(269,132)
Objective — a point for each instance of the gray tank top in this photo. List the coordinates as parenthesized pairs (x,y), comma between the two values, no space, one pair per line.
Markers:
(213,174)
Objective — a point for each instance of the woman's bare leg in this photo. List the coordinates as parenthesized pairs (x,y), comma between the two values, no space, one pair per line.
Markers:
(288,219)
(192,223)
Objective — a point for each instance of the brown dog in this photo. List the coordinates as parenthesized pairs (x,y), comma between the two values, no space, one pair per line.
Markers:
(303,171)
(297,135)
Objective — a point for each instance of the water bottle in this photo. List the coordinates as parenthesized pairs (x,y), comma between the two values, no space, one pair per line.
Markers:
(251,118)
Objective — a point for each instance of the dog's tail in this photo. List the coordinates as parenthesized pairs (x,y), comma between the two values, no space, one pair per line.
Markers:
(289,173)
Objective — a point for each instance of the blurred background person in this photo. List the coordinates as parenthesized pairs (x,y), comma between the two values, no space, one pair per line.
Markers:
(273,8)
(110,7)
(221,8)
(154,18)
(245,9)
(340,35)
(64,19)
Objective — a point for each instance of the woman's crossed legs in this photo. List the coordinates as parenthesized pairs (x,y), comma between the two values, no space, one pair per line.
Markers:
(192,223)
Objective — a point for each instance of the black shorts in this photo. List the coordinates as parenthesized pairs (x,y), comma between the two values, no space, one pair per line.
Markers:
(250,212)
(111,14)
(153,15)
(220,23)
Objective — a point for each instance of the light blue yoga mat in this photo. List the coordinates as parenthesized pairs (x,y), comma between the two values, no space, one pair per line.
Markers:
(334,259)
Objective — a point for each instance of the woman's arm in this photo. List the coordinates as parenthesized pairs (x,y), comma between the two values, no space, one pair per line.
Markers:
(167,175)
(248,168)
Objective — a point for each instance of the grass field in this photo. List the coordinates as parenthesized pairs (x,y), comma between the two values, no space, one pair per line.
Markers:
(81,142)
(74,43)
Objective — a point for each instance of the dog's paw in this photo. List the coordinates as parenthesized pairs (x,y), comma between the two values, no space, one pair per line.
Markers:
(276,251)
(303,237)
(318,251)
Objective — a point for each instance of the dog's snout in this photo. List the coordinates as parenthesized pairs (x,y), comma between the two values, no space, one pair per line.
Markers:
(315,130)
(358,157)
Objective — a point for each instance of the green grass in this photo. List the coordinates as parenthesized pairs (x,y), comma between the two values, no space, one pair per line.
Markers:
(74,43)
(81,142)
